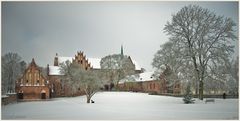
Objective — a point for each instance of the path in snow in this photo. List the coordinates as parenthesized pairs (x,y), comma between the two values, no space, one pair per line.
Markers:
(121,105)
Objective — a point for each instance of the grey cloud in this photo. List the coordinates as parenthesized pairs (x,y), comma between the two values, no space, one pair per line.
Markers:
(40,29)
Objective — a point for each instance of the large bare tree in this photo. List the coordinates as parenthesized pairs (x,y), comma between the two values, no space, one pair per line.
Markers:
(205,38)
(79,79)
(115,67)
(12,68)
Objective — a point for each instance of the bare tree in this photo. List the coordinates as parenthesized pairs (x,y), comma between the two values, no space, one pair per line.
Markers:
(12,68)
(206,38)
(233,80)
(116,67)
(78,78)
(170,62)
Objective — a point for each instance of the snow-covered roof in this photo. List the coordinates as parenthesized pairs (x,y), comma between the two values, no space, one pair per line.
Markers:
(4,96)
(137,66)
(147,76)
(95,62)
(54,70)
(63,59)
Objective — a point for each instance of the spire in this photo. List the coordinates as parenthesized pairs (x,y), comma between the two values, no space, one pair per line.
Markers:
(121,50)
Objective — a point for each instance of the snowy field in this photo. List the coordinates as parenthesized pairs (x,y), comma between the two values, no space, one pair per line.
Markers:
(121,105)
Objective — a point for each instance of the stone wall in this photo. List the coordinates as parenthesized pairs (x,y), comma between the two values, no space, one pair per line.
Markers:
(10,98)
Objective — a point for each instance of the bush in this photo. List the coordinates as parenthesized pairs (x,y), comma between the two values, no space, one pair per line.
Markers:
(188,98)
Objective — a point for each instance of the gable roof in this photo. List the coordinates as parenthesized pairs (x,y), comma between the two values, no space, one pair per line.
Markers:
(32,65)
(147,76)
(95,62)
(142,77)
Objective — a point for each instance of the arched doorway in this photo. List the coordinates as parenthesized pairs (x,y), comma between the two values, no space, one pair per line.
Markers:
(43,94)
(20,95)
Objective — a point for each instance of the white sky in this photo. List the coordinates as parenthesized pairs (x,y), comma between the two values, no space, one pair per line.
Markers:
(41,29)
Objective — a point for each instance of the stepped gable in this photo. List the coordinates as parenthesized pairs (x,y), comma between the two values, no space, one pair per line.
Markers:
(80,59)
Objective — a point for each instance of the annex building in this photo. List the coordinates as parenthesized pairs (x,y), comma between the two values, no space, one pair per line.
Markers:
(147,82)
(60,88)
(32,84)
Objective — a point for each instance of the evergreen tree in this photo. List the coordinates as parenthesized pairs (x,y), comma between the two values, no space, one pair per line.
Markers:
(188,96)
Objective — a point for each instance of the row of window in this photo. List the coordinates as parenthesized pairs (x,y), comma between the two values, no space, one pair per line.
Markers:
(31,85)
(152,86)
(35,76)
(38,82)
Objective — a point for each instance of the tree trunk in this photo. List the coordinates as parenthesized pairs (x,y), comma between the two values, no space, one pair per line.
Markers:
(196,88)
(201,90)
(109,87)
(88,99)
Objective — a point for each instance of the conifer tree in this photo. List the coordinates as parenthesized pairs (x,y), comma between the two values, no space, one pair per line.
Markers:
(188,96)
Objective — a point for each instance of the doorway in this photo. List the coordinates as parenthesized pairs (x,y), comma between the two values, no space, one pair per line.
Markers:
(43,95)
(20,95)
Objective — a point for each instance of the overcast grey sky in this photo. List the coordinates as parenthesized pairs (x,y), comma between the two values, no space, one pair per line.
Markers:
(41,29)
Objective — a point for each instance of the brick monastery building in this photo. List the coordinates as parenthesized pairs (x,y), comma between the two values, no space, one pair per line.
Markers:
(54,75)
(146,82)
(33,85)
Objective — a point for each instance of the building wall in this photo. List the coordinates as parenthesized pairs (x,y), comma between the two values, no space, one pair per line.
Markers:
(9,99)
(80,59)
(33,92)
(32,83)
(61,89)
(177,88)
(144,86)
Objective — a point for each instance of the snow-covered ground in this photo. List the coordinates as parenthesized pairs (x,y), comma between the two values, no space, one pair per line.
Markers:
(122,105)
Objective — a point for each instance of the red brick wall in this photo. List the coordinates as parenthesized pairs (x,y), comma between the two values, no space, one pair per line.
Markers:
(32,83)
(33,92)
(177,88)
(146,86)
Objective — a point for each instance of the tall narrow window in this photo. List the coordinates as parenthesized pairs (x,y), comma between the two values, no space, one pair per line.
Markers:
(27,83)
(35,76)
(38,83)
(21,82)
(30,77)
